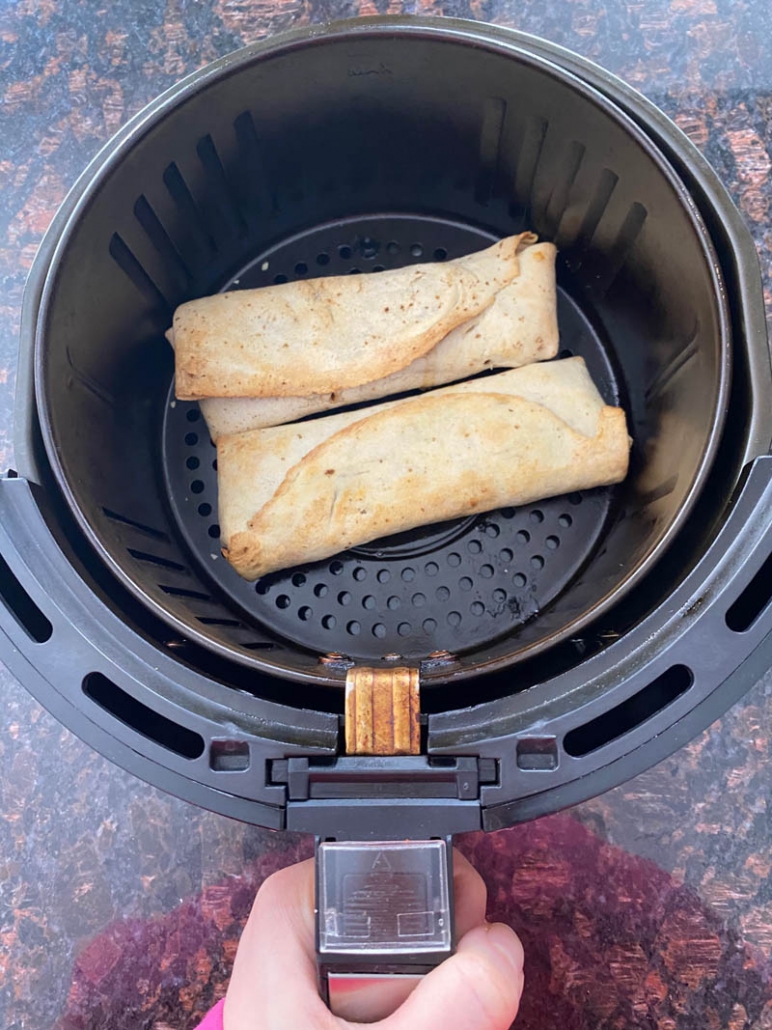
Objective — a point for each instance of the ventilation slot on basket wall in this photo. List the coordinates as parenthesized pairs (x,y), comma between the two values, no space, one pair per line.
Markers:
(595,211)
(157,534)
(252,184)
(528,160)
(621,248)
(22,607)
(128,263)
(490,147)
(183,198)
(210,159)
(161,240)
(194,595)
(558,201)
(139,717)
(156,559)
(752,601)
(631,713)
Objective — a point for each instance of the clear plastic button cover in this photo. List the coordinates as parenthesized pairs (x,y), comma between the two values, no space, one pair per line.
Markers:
(388,897)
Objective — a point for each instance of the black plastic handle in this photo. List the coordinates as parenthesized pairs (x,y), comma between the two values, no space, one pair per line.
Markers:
(384,919)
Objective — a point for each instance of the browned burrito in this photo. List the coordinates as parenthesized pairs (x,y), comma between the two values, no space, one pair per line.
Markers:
(518,327)
(300,493)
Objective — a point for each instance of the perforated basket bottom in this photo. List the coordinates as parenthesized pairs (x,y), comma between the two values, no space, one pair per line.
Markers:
(453,586)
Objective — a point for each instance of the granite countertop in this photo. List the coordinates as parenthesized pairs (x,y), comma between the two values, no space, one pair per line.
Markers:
(120,907)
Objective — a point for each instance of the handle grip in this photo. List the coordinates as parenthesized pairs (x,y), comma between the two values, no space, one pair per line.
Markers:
(384,918)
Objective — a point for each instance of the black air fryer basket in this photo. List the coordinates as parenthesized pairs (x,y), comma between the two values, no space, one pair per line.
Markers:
(562,647)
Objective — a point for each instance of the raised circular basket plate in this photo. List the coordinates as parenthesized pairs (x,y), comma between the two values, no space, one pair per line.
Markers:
(445,587)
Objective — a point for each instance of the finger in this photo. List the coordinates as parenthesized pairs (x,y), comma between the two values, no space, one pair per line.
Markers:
(278,943)
(273,985)
(470,895)
(479,988)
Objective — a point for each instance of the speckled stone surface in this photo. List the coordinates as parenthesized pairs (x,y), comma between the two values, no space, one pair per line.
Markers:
(120,907)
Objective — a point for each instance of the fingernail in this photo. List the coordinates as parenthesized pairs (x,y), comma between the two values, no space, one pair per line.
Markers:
(507,944)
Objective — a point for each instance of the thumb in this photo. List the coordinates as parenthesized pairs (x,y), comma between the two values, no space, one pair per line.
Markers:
(478,988)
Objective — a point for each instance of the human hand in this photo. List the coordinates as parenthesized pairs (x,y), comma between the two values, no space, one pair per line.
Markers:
(273,986)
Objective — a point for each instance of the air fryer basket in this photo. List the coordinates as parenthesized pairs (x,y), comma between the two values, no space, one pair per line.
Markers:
(350,156)
(571,643)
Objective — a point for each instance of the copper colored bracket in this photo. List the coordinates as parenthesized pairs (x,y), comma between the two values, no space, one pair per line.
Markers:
(382,712)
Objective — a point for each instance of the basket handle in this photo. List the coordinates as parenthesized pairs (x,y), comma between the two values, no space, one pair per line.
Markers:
(384,919)
(384,915)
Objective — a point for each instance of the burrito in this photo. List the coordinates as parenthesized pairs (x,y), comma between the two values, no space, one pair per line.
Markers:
(300,493)
(326,335)
(519,327)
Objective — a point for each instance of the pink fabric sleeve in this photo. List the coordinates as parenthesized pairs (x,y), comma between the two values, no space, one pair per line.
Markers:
(213,1018)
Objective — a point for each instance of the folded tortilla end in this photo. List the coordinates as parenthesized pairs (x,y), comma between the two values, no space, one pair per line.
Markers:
(245,555)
